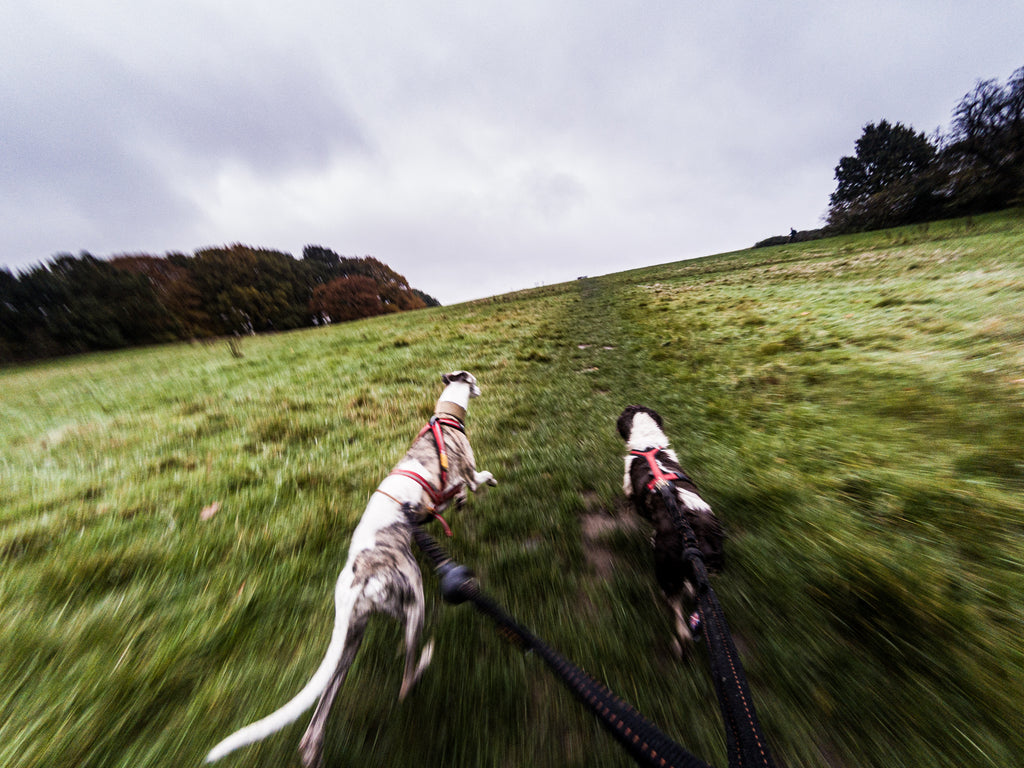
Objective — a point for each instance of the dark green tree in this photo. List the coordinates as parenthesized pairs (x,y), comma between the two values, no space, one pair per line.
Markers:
(885,182)
(80,304)
(250,290)
(985,148)
(426,298)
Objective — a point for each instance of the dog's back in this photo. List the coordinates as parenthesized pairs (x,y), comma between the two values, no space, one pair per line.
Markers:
(698,513)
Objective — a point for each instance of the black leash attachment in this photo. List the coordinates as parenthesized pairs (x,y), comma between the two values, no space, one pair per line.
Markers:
(747,747)
(641,738)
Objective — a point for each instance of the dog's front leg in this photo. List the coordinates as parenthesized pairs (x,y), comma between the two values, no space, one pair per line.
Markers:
(627,479)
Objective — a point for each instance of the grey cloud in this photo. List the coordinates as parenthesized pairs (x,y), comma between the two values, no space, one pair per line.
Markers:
(530,140)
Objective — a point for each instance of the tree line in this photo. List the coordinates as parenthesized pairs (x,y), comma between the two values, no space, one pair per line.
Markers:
(901,176)
(80,304)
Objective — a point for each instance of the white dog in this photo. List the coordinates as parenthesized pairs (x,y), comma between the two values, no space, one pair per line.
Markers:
(381,575)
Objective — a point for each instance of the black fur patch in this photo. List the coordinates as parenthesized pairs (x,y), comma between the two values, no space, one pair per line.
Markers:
(671,568)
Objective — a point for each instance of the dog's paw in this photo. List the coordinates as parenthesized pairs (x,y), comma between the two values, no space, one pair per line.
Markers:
(311,750)
(481,478)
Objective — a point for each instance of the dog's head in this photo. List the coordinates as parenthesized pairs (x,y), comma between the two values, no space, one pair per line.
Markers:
(643,421)
(465,377)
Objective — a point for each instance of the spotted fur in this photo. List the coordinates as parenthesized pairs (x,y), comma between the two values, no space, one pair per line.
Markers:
(380,576)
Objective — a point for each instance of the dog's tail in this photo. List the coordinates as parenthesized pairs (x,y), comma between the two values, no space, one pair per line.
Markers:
(305,698)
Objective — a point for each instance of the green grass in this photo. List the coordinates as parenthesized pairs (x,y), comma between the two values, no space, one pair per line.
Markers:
(852,408)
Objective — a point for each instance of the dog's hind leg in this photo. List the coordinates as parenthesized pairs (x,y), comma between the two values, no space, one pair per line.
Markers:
(414,610)
(311,748)
(313,690)
(682,640)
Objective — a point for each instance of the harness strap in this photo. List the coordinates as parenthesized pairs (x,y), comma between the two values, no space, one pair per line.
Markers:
(659,477)
(444,494)
(437,497)
(407,507)
(434,425)
(445,421)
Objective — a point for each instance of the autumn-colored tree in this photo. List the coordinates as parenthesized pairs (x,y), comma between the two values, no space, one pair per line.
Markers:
(392,288)
(347,298)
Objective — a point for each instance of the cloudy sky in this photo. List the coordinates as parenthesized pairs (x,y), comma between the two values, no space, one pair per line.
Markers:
(476,147)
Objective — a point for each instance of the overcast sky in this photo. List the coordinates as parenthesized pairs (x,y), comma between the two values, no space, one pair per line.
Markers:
(476,147)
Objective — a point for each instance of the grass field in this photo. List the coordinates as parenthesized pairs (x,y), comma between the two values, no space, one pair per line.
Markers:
(852,408)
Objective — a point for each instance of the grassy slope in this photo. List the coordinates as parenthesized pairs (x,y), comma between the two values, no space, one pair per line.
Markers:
(852,408)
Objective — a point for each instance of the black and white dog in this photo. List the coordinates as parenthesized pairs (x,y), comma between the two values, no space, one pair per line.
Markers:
(650,455)
(381,575)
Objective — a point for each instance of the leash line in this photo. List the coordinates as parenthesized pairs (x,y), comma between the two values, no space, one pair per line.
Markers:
(643,740)
(747,747)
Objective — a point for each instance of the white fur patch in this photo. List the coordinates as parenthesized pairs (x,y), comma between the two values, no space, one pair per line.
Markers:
(645,433)
(457,392)
(692,501)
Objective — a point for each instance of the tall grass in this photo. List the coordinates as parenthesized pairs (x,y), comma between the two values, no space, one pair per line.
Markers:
(852,408)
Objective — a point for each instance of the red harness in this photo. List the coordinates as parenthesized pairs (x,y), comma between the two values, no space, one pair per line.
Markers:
(442,495)
(658,476)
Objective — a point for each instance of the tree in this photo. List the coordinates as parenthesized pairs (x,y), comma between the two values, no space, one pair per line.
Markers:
(172,283)
(393,289)
(322,265)
(347,298)
(985,148)
(78,305)
(249,290)
(12,330)
(426,298)
(885,182)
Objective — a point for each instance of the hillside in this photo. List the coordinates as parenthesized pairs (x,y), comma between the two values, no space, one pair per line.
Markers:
(851,408)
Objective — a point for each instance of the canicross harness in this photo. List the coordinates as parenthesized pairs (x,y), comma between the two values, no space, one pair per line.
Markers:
(659,477)
(444,494)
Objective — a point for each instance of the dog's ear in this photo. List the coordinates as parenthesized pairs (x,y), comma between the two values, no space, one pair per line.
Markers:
(625,422)
(463,376)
